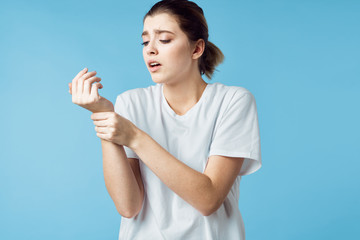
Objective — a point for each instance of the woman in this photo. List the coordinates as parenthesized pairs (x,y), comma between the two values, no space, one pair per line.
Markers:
(174,153)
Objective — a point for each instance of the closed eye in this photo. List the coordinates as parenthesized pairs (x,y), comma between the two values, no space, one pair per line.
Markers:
(165,41)
(147,42)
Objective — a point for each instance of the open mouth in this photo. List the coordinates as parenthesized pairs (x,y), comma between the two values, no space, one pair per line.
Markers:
(154,66)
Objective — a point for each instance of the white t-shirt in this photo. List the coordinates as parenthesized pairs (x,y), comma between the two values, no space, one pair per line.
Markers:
(223,122)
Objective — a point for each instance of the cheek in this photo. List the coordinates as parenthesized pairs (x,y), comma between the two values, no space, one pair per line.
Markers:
(181,56)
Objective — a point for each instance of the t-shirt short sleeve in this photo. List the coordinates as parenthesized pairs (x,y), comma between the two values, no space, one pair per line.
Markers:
(237,134)
(121,107)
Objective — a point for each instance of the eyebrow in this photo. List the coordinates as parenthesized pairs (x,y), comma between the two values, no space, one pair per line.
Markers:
(156,32)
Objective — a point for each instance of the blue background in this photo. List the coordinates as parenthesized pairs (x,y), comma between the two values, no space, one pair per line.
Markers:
(300,59)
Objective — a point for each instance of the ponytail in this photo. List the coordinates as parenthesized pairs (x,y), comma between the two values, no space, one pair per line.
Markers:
(211,58)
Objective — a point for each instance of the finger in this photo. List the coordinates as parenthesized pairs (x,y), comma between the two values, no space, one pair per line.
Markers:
(100,116)
(102,130)
(75,80)
(88,82)
(102,136)
(101,123)
(80,73)
(70,88)
(94,90)
(80,82)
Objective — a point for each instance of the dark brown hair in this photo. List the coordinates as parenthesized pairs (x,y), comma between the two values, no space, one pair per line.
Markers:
(192,22)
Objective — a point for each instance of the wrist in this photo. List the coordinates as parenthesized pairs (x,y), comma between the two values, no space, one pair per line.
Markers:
(105,109)
(138,136)
(103,105)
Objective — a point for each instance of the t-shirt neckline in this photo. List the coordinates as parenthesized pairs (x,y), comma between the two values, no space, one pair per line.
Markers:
(191,110)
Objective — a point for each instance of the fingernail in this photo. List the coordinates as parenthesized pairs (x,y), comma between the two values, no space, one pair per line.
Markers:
(84,69)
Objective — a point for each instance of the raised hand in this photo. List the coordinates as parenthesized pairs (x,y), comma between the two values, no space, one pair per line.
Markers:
(84,90)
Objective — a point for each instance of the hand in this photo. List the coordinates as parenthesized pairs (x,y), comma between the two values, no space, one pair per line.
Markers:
(114,128)
(85,93)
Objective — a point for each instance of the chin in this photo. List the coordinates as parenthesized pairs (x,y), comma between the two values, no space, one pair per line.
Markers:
(159,79)
(163,78)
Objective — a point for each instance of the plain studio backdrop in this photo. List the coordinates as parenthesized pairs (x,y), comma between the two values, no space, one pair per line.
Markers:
(300,59)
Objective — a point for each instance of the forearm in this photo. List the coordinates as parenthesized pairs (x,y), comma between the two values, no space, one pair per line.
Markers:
(194,187)
(120,180)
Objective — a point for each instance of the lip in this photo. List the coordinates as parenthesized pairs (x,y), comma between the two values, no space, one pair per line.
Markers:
(153,69)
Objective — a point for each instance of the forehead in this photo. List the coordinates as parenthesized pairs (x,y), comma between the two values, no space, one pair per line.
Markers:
(161,21)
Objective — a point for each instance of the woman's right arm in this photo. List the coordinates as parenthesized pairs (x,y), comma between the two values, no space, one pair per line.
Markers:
(122,175)
(122,179)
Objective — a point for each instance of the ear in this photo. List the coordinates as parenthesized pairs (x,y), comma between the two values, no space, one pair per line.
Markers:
(199,48)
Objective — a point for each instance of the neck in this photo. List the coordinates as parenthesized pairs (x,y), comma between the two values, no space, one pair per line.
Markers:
(184,94)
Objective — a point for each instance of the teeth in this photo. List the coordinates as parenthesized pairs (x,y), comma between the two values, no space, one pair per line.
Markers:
(154,64)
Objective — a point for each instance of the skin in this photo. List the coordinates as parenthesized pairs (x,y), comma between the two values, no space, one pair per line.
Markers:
(183,87)
(85,93)
(179,73)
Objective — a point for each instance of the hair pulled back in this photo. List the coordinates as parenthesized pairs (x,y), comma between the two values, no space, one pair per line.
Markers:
(192,22)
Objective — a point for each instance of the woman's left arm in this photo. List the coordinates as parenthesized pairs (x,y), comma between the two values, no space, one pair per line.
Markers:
(204,191)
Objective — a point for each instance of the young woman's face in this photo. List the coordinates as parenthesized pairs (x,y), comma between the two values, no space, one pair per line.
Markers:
(167,51)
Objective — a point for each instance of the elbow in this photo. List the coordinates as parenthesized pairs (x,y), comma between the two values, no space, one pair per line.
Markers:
(211,207)
(207,212)
(130,208)
(128,213)
(209,201)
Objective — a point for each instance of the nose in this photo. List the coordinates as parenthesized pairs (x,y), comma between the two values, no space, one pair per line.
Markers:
(151,48)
